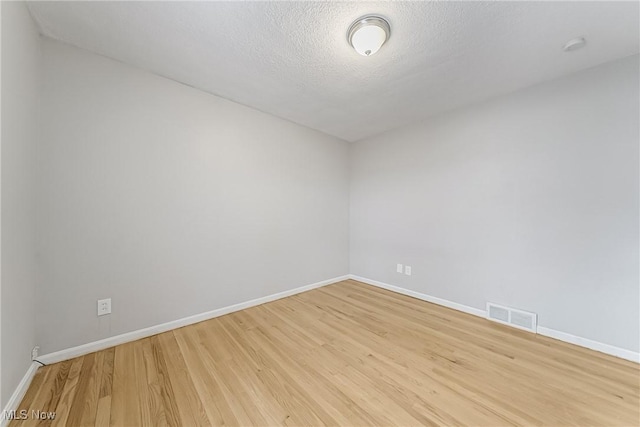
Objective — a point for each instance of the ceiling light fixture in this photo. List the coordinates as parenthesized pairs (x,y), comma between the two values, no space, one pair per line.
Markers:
(368,34)
(574,44)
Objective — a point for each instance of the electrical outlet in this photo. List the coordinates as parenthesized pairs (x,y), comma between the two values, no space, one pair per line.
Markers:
(104,306)
(34,352)
(407,270)
(399,268)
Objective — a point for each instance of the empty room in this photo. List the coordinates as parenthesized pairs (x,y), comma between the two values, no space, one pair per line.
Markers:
(320,213)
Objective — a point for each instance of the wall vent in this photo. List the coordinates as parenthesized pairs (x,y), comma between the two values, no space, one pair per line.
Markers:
(512,317)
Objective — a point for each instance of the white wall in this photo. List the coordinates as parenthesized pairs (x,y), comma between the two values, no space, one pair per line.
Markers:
(530,200)
(173,202)
(20,79)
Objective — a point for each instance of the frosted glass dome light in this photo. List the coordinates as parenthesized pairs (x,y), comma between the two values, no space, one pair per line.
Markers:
(368,34)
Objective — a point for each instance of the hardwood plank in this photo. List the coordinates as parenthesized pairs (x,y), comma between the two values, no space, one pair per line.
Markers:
(68,392)
(103,411)
(207,384)
(154,385)
(56,393)
(125,405)
(85,402)
(191,412)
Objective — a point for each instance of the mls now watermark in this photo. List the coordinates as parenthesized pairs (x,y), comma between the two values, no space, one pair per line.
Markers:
(24,414)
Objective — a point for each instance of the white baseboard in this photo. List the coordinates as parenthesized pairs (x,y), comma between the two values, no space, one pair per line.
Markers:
(443,302)
(18,393)
(91,347)
(80,350)
(541,330)
(591,344)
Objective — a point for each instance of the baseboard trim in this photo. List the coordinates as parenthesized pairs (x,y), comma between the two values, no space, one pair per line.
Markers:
(443,302)
(547,332)
(94,346)
(18,393)
(590,344)
(83,349)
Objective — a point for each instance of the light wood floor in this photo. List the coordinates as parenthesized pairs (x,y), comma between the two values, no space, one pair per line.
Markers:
(345,354)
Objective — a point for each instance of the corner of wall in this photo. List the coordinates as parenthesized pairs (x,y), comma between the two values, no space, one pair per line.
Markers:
(20,76)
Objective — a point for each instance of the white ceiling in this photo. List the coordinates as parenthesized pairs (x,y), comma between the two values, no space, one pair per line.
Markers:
(292,60)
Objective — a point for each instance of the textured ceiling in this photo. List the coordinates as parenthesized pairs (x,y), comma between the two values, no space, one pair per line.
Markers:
(292,60)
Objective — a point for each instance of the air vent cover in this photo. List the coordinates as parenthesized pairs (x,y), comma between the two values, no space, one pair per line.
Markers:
(512,317)
(498,313)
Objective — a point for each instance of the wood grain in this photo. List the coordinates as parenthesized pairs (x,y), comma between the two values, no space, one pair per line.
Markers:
(345,354)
